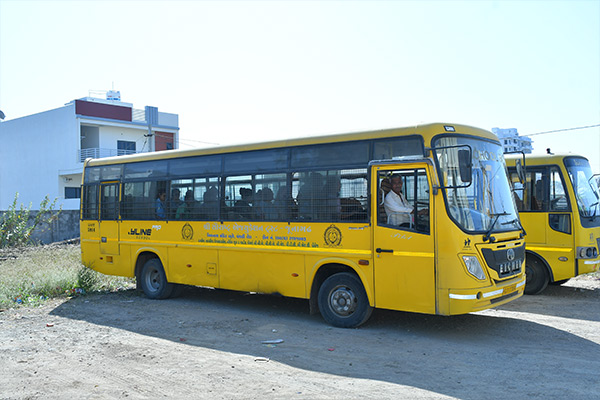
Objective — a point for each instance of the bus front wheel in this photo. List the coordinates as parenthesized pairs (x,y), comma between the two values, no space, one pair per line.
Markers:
(153,280)
(536,276)
(343,301)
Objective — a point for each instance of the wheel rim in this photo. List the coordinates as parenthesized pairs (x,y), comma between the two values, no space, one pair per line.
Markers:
(342,301)
(153,280)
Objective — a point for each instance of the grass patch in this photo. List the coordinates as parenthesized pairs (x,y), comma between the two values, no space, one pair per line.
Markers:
(40,273)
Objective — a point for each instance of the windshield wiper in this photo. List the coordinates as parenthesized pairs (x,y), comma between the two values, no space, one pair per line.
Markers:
(520,225)
(487,235)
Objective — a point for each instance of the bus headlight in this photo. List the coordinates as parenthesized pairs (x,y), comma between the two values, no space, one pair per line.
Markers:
(474,267)
(587,252)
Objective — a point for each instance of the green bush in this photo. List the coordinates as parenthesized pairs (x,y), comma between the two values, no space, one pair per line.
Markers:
(15,228)
(39,273)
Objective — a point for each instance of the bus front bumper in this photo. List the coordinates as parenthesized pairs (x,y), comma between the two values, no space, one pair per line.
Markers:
(588,265)
(464,301)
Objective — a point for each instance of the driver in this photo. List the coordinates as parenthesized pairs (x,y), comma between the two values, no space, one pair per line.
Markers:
(396,206)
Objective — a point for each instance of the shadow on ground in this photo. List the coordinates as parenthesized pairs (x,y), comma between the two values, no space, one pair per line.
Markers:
(469,357)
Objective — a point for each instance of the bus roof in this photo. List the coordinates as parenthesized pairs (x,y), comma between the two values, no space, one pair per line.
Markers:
(428,131)
(539,159)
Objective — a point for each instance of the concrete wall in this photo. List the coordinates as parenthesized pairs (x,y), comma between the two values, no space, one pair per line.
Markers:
(109,135)
(168,119)
(66,226)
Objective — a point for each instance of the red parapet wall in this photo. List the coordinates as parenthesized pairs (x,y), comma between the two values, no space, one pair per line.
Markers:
(100,110)
(162,141)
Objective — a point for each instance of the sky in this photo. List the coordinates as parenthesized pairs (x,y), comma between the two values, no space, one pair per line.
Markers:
(252,71)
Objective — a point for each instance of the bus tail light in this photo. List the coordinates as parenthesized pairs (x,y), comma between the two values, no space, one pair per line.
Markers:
(474,267)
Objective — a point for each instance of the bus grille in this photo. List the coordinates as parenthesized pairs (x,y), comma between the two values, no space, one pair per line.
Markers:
(506,262)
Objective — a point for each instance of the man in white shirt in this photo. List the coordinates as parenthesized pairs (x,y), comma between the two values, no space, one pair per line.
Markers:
(397,208)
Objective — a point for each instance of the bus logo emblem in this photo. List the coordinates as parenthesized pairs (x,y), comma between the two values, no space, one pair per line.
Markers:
(187,232)
(510,254)
(333,236)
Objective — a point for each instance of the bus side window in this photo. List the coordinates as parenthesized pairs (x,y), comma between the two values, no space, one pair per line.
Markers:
(560,222)
(535,191)
(90,202)
(271,202)
(558,199)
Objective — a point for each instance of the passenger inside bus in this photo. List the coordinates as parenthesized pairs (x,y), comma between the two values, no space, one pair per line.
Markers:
(331,209)
(209,209)
(186,209)
(285,205)
(307,196)
(242,208)
(174,202)
(160,205)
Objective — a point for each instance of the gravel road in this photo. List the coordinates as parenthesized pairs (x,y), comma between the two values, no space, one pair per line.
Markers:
(226,345)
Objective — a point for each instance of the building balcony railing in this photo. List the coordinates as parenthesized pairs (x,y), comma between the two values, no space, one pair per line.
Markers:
(96,152)
(138,115)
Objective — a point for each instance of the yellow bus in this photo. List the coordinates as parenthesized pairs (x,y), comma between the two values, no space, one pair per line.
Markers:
(557,199)
(315,218)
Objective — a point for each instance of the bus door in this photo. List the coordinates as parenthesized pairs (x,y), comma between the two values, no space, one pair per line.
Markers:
(403,240)
(545,212)
(109,216)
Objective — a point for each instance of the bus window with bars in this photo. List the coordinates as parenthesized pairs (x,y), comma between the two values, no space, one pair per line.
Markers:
(331,195)
(89,205)
(195,199)
(261,197)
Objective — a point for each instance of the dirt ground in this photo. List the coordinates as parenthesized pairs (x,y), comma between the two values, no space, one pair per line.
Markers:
(209,344)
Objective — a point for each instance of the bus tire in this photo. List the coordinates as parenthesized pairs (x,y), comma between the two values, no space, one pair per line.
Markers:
(153,280)
(536,276)
(343,301)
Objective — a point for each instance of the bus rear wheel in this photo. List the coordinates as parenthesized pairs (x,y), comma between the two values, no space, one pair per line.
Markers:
(536,276)
(343,301)
(153,280)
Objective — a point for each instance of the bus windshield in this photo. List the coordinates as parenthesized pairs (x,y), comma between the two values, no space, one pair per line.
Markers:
(584,186)
(485,205)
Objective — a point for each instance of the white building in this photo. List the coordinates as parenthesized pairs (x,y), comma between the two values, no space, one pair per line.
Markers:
(42,154)
(512,142)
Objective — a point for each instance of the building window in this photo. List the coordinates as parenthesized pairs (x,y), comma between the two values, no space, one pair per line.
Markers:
(125,147)
(72,193)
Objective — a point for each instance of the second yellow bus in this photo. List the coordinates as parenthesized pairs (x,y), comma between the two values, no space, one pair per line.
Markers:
(557,198)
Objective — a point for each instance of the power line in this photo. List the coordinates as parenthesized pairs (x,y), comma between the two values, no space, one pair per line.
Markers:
(563,130)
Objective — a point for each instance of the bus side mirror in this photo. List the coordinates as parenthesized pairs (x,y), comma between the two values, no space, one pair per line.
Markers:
(465,166)
(520,171)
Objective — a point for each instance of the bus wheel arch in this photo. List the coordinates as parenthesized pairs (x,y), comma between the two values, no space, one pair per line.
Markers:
(537,272)
(142,258)
(151,277)
(339,294)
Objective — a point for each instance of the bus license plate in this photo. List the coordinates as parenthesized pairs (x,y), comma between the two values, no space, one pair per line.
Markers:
(510,289)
